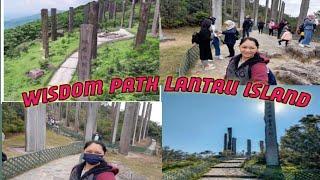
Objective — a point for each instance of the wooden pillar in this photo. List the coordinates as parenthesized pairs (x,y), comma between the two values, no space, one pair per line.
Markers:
(283,5)
(147,121)
(304,7)
(44,32)
(143,23)
(93,19)
(232,10)
(101,11)
(106,8)
(155,18)
(86,13)
(35,124)
(217,13)
(53,24)
(116,122)
(142,121)
(272,150)
(85,54)
(225,142)
(242,12)
(114,14)
(256,12)
(261,147)
(266,12)
(77,121)
(136,119)
(274,9)
(160,28)
(133,4)
(67,113)
(71,14)
(127,128)
(123,12)
(91,120)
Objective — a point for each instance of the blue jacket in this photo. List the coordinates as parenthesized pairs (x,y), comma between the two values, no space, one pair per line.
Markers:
(230,36)
(308,24)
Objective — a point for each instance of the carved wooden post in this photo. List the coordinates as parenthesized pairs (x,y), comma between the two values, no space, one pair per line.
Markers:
(155,19)
(127,128)
(35,124)
(71,14)
(91,120)
(85,52)
(143,24)
(114,13)
(116,122)
(53,24)
(86,13)
(132,13)
(123,12)
(145,131)
(77,121)
(142,121)
(242,12)
(304,7)
(266,12)
(232,9)
(256,11)
(44,27)
(101,11)
(93,19)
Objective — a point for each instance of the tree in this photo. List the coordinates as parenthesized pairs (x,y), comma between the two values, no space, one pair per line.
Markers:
(123,12)
(136,118)
(155,18)
(133,4)
(300,144)
(76,121)
(115,121)
(91,120)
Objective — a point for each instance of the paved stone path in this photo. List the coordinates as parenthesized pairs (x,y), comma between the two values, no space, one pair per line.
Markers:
(230,169)
(288,69)
(64,74)
(60,169)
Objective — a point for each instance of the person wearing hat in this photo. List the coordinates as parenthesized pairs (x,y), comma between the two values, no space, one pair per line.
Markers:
(246,25)
(308,27)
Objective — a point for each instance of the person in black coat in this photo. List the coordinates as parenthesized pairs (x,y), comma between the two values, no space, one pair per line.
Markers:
(260,26)
(282,24)
(246,25)
(231,36)
(204,43)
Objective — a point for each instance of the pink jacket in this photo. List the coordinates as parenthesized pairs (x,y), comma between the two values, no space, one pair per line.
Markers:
(287,36)
(271,24)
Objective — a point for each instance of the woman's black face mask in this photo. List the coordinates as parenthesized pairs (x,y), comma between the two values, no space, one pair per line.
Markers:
(93,159)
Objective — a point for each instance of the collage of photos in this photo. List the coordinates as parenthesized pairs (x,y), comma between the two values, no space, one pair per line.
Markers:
(160,89)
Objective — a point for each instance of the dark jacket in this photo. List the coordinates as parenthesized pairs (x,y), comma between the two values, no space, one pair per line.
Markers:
(101,172)
(261,24)
(252,70)
(230,36)
(247,23)
(204,44)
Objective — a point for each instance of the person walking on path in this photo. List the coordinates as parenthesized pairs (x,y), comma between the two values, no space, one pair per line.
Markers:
(309,27)
(260,26)
(300,31)
(271,27)
(231,36)
(250,65)
(204,44)
(246,25)
(215,39)
(94,165)
(282,24)
(287,36)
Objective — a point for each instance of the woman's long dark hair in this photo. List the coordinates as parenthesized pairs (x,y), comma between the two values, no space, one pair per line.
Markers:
(250,39)
(96,142)
(205,24)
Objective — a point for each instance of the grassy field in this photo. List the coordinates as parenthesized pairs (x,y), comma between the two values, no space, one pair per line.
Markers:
(15,69)
(172,52)
(149,166)
(18,141)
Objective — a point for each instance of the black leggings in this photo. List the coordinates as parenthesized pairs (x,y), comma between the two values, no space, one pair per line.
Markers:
(260,29)
(231,49)
(301,38)
(283,40)
(271,32)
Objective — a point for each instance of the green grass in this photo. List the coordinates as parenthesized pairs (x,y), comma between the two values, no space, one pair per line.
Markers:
(18,141)
(15,79)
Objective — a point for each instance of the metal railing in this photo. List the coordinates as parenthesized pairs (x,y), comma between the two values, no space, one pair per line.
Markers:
(189,60)
(17,165)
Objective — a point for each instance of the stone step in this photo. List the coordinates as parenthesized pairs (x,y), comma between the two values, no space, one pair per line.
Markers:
(232,162)
(230,176)
(216,167)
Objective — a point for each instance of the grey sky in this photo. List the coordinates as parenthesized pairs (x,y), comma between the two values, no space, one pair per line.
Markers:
(293,6)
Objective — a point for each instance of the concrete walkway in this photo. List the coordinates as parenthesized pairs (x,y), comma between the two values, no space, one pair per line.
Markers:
(231,169)
(60,169)
(65,72)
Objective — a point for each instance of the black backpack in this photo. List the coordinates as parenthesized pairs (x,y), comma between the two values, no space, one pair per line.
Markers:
(195,38)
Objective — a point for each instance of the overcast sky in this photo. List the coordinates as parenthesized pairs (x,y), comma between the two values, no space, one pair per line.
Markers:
(293,6)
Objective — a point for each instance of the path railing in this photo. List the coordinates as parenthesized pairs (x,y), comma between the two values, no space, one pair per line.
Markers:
(189,60)
(17,165)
